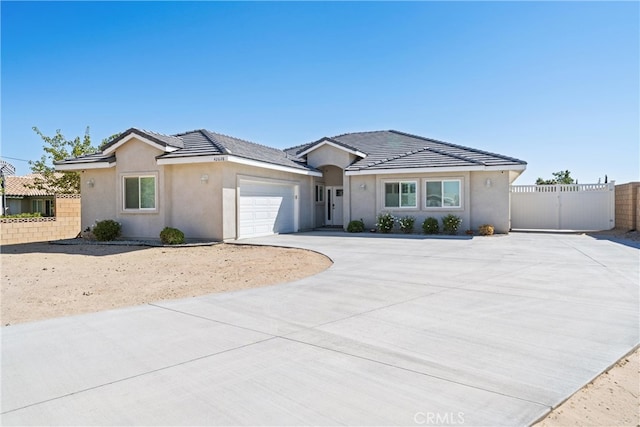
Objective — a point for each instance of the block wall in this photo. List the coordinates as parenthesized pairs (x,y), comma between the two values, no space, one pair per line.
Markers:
(65,225)
(627,209)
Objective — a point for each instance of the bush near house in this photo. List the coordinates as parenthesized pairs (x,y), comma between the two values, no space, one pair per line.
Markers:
(430,226)
(106,230)
(385,222)
(172,236)
(406,224)
(451,223)
(356,226)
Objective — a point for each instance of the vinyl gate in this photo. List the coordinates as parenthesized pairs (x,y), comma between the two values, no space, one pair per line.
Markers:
(584,207)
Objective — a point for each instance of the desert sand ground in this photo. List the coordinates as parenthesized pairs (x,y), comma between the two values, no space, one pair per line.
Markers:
(41,281)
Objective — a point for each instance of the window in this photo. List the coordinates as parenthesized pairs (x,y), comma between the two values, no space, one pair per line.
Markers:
(443,194)
(45,207)
(319,193)
(400,194)
(139,192)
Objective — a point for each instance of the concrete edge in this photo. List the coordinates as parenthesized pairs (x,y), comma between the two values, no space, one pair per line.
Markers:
(552,408)
(149,243)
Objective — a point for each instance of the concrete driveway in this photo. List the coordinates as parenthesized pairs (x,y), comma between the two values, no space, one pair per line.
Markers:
(399,331)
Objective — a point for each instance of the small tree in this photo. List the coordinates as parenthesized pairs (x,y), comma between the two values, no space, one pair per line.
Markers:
(57,148)
(561,177)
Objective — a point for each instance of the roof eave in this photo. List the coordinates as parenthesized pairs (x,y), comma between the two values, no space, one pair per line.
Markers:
(134,133)
(235,159)
(78,166)
(327,141)
(441,169)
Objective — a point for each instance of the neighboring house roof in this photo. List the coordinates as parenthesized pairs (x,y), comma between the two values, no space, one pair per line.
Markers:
(20,186)
(391,149)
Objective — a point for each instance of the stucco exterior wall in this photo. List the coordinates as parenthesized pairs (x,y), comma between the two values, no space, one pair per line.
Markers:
(363,199)
(139,158)
(328,155)
(490,200)
(193,203)
(98,201)
(421,212)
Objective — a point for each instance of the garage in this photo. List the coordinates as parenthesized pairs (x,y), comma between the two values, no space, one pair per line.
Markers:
(266,208)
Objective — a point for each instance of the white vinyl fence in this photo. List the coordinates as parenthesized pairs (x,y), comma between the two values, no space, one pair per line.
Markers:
(584,207)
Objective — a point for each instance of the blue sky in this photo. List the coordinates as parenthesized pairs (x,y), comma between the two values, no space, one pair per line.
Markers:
(553,83)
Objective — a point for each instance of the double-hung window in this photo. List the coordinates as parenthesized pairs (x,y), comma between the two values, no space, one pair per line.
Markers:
(139,192)
(400,194)
(443,194)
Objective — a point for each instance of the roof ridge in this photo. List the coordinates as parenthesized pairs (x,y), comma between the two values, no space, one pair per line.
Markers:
(399,156)
(456,156)
(210,136)
(246,141)
(154,132)
(457,146)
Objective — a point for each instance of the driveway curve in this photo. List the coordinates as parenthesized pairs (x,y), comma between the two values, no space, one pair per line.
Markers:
(401,330)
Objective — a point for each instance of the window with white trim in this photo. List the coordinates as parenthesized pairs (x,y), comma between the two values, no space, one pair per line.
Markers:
(139,192)
(400,194)
(443,193)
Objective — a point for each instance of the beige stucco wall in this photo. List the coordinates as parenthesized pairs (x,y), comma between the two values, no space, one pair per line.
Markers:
(194,204)
(375,192)
(99,200)
(329,155)
(480,204)
(490,204)
(139,158)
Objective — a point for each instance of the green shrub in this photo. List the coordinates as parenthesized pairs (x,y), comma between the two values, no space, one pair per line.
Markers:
(451,223)
(171,236)
(24,215)
(430,226)
(406,223)
(106,230)
(385,222)
(356,226)
(486,229)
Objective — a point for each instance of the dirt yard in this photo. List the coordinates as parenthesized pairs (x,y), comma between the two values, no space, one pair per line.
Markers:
(41,281)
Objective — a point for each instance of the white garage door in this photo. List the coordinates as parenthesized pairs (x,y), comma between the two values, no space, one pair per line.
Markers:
(265,208)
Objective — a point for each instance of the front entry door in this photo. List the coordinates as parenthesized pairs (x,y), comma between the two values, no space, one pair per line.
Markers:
(333,214)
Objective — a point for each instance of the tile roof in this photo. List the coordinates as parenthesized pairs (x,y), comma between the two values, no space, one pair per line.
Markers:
(202,142)
(158,138)
(391,149)
(19,186)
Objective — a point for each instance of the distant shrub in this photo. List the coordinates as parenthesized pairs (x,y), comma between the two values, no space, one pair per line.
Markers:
(356,226)
(430,226)
(486,229)
(24,215)
(106,230)
(385,222)
(406,223)
(451,223)
(171,236)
